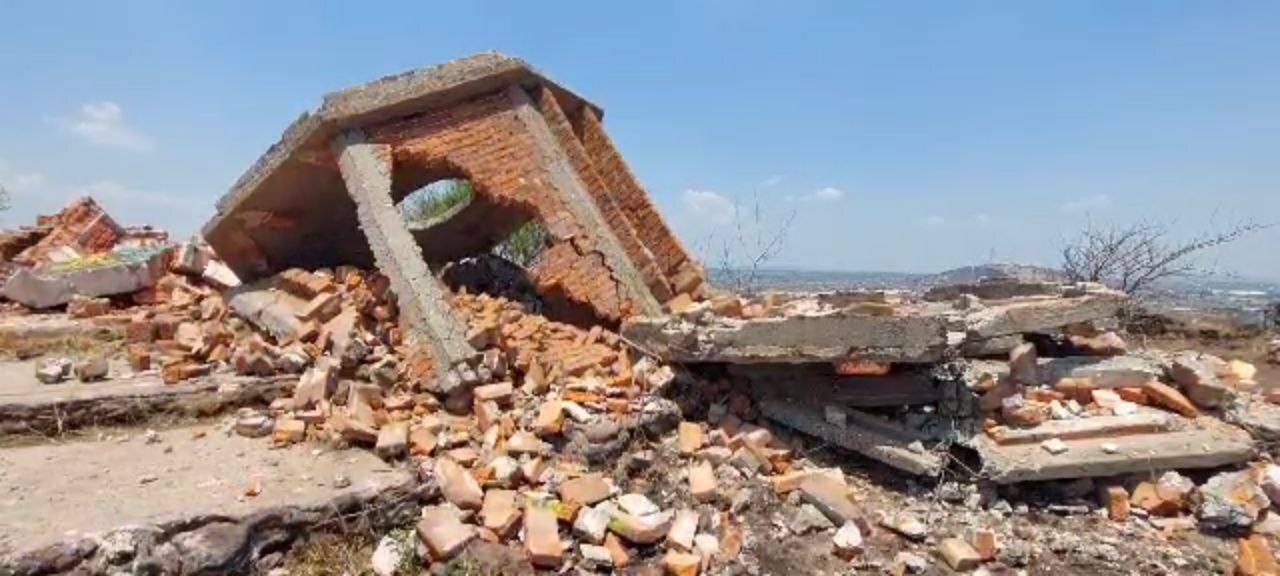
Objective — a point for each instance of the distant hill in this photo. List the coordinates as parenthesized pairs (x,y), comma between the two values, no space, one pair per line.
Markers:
(977,273)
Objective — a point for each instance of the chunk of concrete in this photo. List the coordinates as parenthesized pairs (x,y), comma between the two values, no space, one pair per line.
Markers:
(862,433)
(1211,446)
(123,271)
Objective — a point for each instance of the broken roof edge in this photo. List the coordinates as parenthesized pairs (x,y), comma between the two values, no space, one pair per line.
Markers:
(389,97)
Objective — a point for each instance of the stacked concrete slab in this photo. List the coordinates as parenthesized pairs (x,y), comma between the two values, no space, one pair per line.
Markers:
(903,380)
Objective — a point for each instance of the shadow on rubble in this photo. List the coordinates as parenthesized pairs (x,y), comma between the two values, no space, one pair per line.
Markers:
(498,277)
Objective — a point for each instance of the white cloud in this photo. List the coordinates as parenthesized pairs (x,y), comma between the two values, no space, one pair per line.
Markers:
(712,205)
(828,194)
(934,221)
(103,124)
(1080,205)
(981,219)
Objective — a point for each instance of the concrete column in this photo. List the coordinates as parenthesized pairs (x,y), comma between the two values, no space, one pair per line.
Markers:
(566,183)
(425,314)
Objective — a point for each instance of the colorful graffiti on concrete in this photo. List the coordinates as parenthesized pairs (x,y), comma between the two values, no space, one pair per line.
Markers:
(123,255)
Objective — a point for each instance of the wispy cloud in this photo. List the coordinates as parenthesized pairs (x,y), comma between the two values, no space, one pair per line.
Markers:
(712,205)
(982,219)
(828,194)
(103,124)
(934,221)
(1080,205)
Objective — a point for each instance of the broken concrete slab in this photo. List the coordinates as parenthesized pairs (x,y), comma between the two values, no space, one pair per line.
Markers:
(122,271)
(1206,444)
(27,406)
(911,333)
(1104,372)
(192,516)
(821,338)
(1148,421)
(1041,315)
(880,441)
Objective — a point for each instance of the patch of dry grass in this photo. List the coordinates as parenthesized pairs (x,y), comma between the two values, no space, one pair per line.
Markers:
(332,555)
(72,345)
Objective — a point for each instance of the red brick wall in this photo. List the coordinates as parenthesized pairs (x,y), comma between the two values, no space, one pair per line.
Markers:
(486,143)
(622,226)
(82,225)
(684,274)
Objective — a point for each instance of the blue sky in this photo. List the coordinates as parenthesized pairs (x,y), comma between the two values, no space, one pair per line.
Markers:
(909,136)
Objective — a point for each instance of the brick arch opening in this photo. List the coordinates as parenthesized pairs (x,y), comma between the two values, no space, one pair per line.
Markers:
(467,227)
(460,238)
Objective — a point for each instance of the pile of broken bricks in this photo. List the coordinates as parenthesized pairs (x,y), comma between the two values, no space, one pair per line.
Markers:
(527,444)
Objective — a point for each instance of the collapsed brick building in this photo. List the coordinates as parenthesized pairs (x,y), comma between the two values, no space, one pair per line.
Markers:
(326,194)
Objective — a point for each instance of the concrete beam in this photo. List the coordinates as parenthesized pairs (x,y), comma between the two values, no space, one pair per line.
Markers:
(795,339)
(1041,315)
(425,312)
(1208,446)
(915,334)
(565,182)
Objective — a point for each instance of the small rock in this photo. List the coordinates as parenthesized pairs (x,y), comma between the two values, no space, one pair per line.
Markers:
(254,425)
(637,504)
(906,525)
(595,557)
(681,564)
(910,563)
(1054,446)
(386,557)
(591,524)
(1231,500)
(53,370)
(91,369)
(807,518)
(848,541)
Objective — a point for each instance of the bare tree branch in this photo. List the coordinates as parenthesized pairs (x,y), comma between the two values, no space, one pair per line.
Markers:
(1133,257)
(747,252)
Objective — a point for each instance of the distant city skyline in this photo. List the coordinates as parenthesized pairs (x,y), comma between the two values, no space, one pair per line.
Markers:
(903,137)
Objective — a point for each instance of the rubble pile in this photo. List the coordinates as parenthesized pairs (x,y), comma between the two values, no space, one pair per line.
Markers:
(81,251)
(693,437)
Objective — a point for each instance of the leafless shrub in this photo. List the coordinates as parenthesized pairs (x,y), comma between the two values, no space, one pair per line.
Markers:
(1132,257)
(750,246)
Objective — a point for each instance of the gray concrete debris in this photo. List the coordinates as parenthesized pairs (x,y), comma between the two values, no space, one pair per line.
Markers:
(194,518)
(868,435)
(122,272)
(913,333)
(1231,500)
(1210,446)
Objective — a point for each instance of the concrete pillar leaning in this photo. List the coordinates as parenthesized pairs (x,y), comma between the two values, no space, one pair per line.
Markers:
(565,182)
(426,316)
